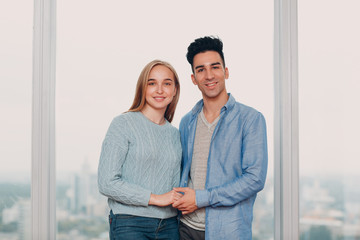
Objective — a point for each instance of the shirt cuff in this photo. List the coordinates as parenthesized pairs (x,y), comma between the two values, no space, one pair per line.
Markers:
(202,198)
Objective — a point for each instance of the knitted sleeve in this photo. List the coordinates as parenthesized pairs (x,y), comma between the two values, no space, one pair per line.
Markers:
(113,155)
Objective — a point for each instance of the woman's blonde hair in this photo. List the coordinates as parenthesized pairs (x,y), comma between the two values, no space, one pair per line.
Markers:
(140,92)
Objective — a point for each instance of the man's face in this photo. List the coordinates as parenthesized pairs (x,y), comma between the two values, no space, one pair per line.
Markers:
(209,74)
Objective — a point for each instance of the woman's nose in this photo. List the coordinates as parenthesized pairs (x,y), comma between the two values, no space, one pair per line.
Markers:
(159,89)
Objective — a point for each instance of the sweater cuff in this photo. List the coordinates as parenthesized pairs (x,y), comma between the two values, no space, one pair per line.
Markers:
(146,196)
(202,198)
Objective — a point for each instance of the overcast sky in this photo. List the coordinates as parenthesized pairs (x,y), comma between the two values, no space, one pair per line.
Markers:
(103,45)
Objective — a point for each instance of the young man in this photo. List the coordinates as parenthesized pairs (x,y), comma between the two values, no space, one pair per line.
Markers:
(224,160)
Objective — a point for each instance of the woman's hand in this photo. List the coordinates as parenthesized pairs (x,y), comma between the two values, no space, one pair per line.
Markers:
(165,199)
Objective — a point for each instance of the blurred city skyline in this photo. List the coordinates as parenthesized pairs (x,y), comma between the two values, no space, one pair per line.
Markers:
(330,209)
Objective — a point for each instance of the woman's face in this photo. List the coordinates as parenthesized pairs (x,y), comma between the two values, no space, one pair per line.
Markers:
(160,89)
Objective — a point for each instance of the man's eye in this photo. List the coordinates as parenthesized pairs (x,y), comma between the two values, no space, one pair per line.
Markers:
(200,70)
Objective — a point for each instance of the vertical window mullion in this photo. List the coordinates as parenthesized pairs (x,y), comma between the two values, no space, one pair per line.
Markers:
(43,121)
(286,121)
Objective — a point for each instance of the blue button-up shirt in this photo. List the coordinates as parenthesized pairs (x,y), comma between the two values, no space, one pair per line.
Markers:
(236,168)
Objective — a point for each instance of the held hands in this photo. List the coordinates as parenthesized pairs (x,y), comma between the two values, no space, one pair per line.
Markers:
(165,199)
(187,203)
(184,202)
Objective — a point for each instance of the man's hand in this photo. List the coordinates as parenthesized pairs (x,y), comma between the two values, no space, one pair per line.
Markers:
(187,203)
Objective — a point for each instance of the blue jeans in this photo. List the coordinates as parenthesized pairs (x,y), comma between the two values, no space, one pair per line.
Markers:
(129,227)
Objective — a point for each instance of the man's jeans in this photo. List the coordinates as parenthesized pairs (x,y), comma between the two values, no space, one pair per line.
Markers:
(129,227)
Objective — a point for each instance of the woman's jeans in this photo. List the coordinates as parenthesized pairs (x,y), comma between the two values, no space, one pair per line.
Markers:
(129,227)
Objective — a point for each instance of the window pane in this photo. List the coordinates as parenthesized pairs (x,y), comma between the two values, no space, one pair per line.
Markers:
(100,54)
(15,122)
(329,63)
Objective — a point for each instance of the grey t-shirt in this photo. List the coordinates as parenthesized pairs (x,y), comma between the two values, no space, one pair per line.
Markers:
(197,179)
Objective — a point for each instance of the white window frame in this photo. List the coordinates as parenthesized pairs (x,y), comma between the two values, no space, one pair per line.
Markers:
(43,180)
(286,119)
(286,131)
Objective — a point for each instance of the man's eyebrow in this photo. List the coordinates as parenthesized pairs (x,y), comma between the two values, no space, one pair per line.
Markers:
(200,66)
(212,64)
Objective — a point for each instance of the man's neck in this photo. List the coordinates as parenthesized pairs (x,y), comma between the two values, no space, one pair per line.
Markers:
(212,106)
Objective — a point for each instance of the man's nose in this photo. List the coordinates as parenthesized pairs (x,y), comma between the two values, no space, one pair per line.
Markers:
(209,74)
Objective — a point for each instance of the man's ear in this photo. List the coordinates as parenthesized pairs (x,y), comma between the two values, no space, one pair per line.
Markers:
(226,73)
(193,79)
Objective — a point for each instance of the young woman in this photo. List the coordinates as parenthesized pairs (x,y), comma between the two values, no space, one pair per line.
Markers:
(140,160)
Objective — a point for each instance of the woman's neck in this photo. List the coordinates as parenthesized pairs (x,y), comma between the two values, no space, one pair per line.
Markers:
(156,116)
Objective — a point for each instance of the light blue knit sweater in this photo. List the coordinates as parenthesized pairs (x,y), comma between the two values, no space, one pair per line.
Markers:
(138,158)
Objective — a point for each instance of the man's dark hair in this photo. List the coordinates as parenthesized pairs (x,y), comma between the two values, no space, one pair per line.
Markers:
(200,45)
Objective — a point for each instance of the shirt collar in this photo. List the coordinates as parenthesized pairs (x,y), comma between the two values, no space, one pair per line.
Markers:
(199,105)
